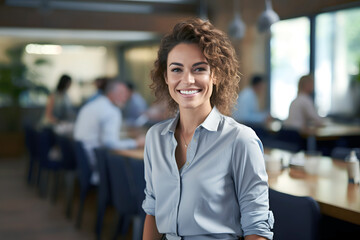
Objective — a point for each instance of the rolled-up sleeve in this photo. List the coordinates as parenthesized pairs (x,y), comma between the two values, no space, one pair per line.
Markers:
(149,201)
(251,185)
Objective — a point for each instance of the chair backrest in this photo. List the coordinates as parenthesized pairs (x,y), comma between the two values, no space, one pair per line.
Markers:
(123,193)
(68,155)
(296,218)
(344,152)
(31,141)
(137,175)
(290,140)
(82,165)
(45,141)
(260,131)
(104,192)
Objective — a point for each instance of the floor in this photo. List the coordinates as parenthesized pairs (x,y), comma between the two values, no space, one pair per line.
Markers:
(26,216)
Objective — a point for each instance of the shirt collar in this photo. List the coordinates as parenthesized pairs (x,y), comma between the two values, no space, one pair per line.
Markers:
(211,123)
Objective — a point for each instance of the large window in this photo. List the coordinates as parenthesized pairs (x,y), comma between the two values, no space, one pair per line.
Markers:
(336,62)
(290,54)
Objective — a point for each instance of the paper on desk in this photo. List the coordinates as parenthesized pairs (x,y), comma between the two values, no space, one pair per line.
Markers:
(298,159)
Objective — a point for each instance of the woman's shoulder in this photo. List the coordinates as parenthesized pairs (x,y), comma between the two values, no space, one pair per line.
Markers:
(234,125)
(160,127)
(241,131)
(245,140)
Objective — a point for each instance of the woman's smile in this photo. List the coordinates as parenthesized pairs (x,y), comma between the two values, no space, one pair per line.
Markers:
(189,92)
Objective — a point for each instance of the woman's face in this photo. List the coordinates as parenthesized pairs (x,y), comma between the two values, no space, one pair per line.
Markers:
(189,78)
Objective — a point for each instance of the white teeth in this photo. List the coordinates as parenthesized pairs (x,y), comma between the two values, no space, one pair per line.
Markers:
(189,92)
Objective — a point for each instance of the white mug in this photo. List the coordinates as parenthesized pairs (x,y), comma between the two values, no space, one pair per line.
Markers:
(353,172)
(273,165)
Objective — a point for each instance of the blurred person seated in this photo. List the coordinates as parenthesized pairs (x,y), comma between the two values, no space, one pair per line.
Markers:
(59,109)
(100,84)
(134,107)
(302,112)
(247,109)
(99,122)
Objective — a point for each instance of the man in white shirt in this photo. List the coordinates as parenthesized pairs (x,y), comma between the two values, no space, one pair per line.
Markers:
(302,112)
(99,122)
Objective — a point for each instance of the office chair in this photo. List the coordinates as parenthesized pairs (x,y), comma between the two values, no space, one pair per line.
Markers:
(68,158)
(84,172)
(124,188)
(48,163)
(31,145)
(139,184)
(296,218)
(104,192)
(289,140)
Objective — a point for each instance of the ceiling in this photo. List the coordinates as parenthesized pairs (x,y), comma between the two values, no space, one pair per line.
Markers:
(119,6)
(48,9)
(66,36)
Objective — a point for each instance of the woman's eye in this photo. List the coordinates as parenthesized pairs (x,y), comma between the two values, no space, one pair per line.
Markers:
(200,69)
(175,70)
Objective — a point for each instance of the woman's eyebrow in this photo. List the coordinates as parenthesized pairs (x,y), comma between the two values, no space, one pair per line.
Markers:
(199,63)
(194,65)
(175,63)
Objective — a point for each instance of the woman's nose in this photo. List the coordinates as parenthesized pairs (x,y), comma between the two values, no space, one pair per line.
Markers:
(189,77)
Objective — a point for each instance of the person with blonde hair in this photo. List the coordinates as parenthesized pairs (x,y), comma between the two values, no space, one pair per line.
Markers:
(302,112)
(205,173)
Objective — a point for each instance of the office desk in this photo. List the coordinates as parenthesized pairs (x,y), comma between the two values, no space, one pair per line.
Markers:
(131,153)
(329,132)
(329,187)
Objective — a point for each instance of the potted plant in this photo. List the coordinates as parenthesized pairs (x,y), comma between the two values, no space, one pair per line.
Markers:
(13,82)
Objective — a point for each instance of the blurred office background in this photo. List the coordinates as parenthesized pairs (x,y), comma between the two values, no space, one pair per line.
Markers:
(42,39)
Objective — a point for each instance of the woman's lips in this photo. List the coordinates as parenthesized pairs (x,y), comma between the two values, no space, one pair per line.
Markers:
(189,92)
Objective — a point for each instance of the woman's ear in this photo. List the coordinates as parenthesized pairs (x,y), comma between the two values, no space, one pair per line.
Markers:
(215,82)
(165,77)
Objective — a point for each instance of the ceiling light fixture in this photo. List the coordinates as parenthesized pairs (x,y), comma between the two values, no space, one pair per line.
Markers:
(267,18)
(203,10)
(237,27)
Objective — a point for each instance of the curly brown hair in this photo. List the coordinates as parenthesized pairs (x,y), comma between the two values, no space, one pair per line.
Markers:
(219,53)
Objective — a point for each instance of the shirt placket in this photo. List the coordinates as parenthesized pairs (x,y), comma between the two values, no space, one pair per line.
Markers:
(190,155)
(176,174)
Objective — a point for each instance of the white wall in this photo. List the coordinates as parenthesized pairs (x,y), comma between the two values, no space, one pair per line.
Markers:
(82,63)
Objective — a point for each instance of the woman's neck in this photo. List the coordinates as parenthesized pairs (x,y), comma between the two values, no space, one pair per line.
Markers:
(190,119)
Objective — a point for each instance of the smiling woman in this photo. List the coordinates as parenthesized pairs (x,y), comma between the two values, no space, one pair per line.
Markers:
(188,77)
(205,173)
(217,52)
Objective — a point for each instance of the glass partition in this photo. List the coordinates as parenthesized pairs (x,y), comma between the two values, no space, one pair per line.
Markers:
(337,60)
(290,54)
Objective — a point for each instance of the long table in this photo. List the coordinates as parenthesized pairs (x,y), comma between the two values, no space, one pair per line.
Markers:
(328,186)
(131,153)
(329,132)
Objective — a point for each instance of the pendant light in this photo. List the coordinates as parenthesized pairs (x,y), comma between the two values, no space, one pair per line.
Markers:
(267,18)
(203,10)
(237,27)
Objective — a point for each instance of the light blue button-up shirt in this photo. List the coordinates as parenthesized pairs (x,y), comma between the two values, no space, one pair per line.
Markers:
(221,192)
